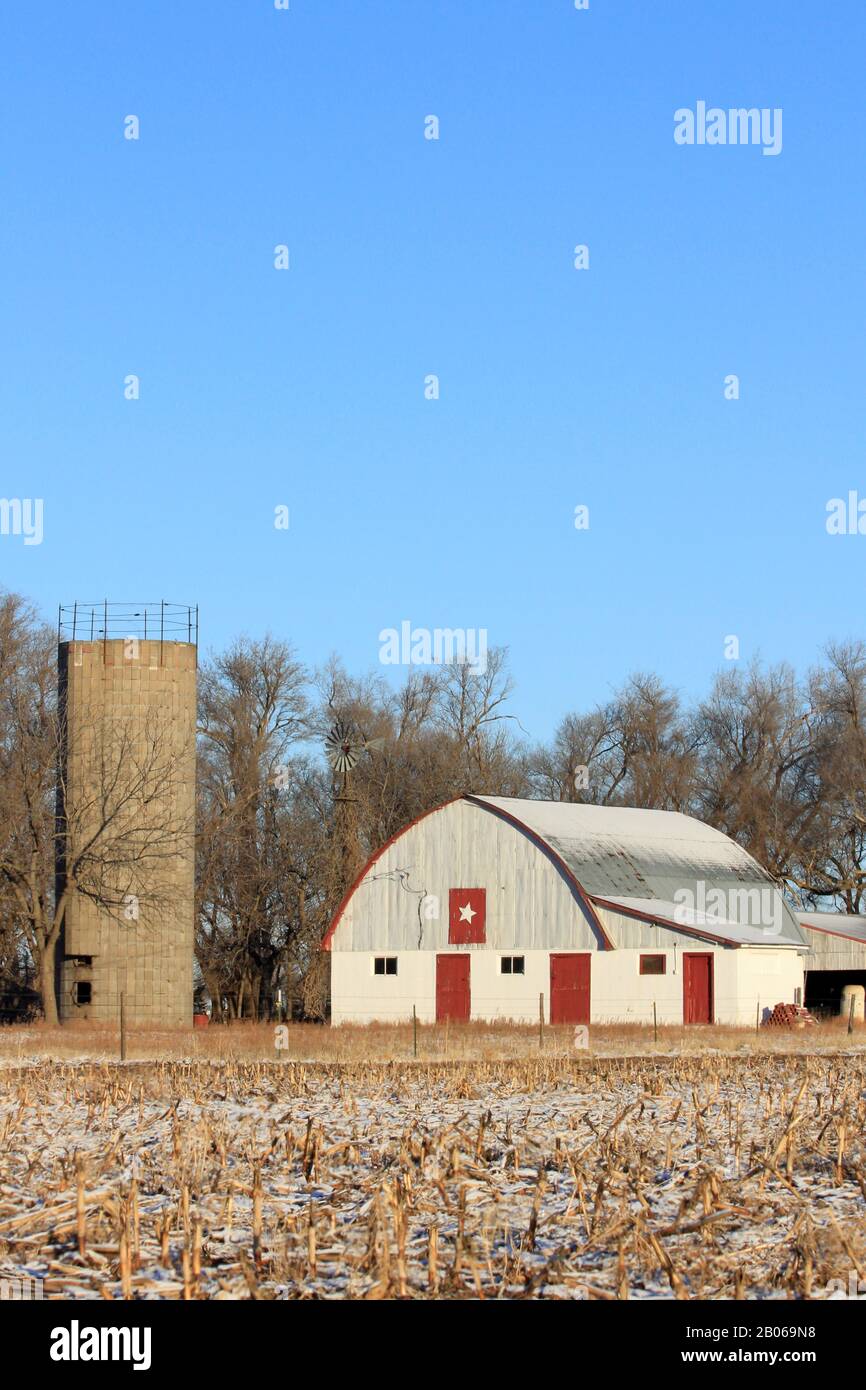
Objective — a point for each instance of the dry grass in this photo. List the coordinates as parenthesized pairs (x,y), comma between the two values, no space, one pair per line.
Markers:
(394,1042)
(688,1177)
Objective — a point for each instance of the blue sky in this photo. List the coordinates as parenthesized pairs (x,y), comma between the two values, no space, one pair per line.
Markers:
(409,256)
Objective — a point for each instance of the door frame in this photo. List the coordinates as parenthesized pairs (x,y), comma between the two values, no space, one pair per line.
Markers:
(559,955)
(702,955)
(454,955)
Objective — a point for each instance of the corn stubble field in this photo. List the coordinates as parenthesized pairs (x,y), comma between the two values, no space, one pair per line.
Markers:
(705,1176)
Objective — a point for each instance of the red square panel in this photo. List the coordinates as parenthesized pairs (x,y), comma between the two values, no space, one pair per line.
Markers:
(467,915)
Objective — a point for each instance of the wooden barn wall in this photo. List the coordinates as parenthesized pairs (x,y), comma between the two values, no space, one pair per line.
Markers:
(632,934)
(833,952)
(529,903)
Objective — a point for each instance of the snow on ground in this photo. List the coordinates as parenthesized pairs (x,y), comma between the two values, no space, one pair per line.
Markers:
(644,1178)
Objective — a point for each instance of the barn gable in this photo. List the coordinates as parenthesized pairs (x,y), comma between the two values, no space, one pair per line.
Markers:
(401,900)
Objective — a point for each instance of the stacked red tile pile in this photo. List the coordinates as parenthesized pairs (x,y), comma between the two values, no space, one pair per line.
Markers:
(789,1016)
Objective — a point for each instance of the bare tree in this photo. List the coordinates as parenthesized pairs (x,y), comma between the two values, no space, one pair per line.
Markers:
(832,851)
(756,779)
(252,713)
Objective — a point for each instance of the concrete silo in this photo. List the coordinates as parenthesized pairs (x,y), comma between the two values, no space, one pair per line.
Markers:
(126,804)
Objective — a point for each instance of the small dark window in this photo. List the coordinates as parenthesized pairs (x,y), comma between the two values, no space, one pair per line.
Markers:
(511,965)
(83,991)
(653,965)
(385,965)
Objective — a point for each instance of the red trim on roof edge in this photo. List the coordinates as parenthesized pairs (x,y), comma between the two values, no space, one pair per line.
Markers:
(547,848)
(828,931)
(335,921)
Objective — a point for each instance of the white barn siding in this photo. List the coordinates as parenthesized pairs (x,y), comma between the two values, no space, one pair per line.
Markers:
(743,980)
(765,977)
(632,933)
(834,952)
(359,996)
(529,903)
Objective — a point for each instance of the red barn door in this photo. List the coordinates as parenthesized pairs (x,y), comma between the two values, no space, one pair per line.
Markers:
(697,988)
(452,989)
(569,988)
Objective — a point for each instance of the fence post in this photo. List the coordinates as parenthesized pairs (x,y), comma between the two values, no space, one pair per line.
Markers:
(541,1020)
(122,1026)
(655,1023)
(758,1019)
(414,1032)
(851,1016)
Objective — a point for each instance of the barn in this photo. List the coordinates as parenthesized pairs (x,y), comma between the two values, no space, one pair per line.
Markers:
(489,907)
(837,957)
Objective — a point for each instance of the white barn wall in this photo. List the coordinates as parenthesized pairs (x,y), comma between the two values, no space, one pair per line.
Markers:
(359,996)
(619,993)
(362,997)
(743,979)
(765,977)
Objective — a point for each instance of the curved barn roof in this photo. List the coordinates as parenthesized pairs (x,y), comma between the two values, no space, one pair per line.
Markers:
(640,860)
(620,852)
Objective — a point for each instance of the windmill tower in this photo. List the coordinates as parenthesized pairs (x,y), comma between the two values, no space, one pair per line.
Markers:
(344,744)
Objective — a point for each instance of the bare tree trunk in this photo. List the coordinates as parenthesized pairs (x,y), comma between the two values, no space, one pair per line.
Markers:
(46,981)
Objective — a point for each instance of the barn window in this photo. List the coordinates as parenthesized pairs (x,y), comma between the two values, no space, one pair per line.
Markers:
(83,991)
(385,965)
(653,965)
(511,965)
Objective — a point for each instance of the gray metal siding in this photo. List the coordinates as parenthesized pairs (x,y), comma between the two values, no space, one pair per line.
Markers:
(530,904)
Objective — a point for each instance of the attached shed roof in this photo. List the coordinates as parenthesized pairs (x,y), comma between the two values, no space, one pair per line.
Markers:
(645,858)
(708,924)
(836,923)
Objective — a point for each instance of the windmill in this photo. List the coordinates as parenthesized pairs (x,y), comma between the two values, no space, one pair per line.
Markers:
(344,745)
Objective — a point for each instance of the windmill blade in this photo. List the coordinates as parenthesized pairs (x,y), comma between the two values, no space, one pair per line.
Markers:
(341,749)
(337,734)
